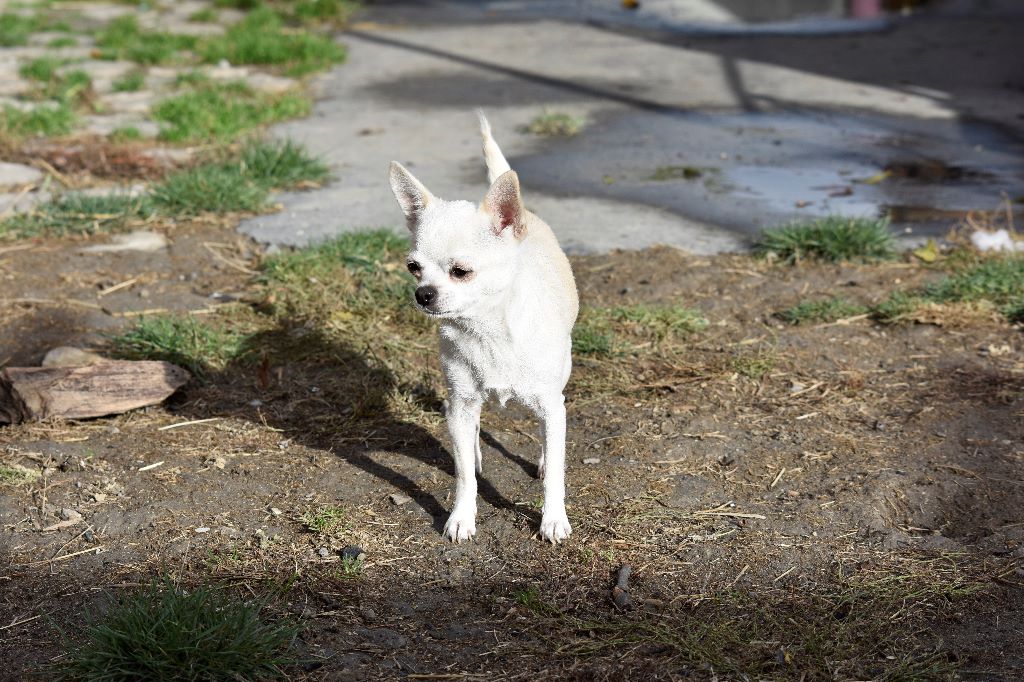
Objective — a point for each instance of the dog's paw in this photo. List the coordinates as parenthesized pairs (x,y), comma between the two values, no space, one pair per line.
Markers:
(461,525)
(555,527)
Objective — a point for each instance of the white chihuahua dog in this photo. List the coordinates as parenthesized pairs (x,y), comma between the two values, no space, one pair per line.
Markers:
(504,292)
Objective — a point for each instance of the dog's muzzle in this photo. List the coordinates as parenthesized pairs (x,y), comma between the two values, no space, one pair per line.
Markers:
(426,295)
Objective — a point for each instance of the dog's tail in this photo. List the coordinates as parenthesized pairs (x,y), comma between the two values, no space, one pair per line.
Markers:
(496,163)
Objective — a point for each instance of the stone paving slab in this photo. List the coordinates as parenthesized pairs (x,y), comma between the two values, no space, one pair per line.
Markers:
(18,174)
(407,93)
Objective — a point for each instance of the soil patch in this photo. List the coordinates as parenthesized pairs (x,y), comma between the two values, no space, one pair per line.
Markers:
(833,500)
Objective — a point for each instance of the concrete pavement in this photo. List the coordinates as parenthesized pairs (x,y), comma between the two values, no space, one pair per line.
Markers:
(777,127)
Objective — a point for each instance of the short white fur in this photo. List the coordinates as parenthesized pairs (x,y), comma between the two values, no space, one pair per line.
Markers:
(503,290)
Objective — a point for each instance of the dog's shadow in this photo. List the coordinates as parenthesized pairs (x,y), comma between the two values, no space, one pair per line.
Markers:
(323,393)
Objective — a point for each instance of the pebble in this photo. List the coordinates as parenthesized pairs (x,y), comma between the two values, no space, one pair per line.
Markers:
(324,552)
(18,174)
(69,356)
(400,498)
(275,511)
(139,240)
(591,460)
(138,102)
(353,553)
(18,202)
(69,514)
(268,83)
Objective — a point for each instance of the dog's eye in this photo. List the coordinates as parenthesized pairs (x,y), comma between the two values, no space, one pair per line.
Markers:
(460,273)
(414,267)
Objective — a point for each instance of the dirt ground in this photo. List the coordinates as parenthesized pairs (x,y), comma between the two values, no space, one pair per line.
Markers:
(833,501)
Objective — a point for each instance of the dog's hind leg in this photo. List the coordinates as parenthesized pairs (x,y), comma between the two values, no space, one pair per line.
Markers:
(464,427)
(496,163)
(554,523)
(479,455)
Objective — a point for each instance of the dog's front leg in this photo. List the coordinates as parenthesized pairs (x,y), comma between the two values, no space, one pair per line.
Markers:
(554,524)
(464,427)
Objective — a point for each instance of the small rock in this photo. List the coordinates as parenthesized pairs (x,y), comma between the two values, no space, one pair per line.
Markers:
(219,462)
(69,514)
(18,174)
(139,240)
(400,498)
(99,497)
(256,403)
(20,202)
(89,536)
(368,614)
(324,552)
(203,529)
(128,102)
(353,553)
(591,460)
(69,356)
(275,511)
(268,83)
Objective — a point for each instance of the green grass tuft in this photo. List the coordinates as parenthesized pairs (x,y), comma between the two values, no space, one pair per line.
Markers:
(63,41)
(240,184)
(597,329)
(324,10)
(125,134)
(130,82)
(554,124)
(207,15)
(14,475)
(361,252)
(827,310)
(15,29)
(354,279)
(753,366)
(261,38)
(210,188)
(223,112)
(70,88)
(167,633)
(590,339)
(281,164)
(659,321)
(123,38)
(185,341)
(896,307)
(43,69)
(238,4)
(998,280)
(830,239)
(325,520)
(663,173)
(76,213)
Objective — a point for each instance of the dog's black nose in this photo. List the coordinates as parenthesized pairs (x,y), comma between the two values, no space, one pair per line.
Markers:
(425,295)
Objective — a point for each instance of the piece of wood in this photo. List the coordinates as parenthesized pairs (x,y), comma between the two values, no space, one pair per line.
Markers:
(109,387)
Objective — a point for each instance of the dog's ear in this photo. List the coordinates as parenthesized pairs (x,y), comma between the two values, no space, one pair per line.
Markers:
(504,205)
(412,196)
